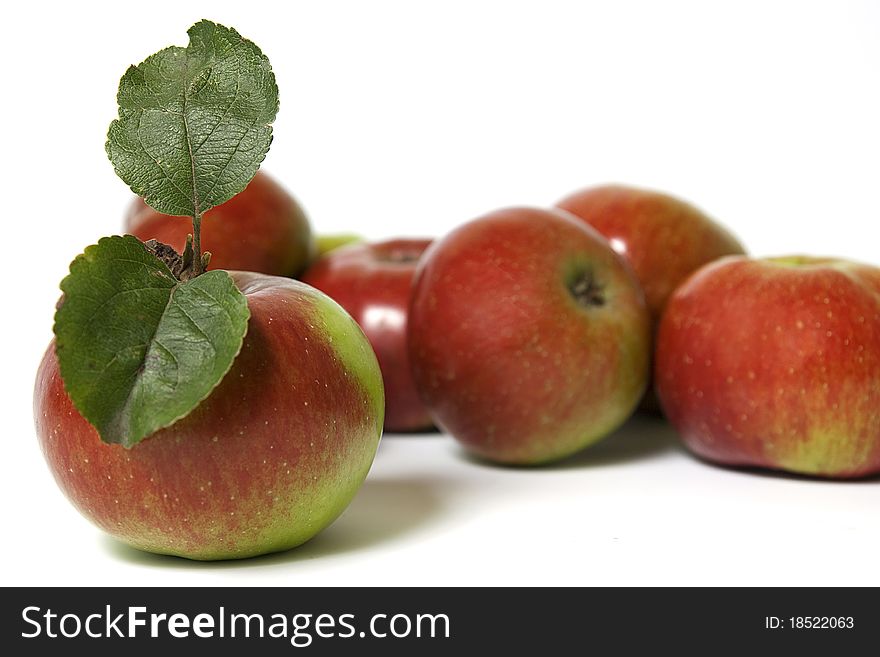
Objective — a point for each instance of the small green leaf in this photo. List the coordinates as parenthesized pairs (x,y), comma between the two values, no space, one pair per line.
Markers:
(137,348)
(194,123)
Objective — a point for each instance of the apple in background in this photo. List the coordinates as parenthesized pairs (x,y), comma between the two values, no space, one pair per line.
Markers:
(664,238)
(270,458)
(262,229)
(373,283)
(328,243)
(529,336)
(776,363)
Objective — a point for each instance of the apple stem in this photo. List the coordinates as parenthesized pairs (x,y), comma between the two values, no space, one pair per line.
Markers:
(198,264)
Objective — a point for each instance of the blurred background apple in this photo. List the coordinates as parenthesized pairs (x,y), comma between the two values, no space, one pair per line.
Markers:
(262,229)
(373,283)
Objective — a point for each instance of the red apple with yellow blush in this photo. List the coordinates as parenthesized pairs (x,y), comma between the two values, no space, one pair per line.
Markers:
(529,336)
(373,283)
(271,457)
(775,363)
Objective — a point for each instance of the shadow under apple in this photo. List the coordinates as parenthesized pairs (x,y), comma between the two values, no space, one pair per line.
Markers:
(768,473)
(643,436)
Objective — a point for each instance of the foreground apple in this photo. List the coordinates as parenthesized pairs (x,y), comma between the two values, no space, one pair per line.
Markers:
(529,335)
(776,363)
(269,459)
(262,229)
(373,283)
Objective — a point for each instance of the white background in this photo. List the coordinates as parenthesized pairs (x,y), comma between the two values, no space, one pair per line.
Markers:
(410,118)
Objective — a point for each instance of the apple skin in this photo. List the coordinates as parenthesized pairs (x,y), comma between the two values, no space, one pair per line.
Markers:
(373,283)
(327,243)
(775,363)
(271,457)
(505,357)
(262,229)
(663,238)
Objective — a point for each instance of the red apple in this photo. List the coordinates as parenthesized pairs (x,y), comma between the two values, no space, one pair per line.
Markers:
(373,283)
(269,459)
(664,238)
(776,363)
(262,229)
(529,336)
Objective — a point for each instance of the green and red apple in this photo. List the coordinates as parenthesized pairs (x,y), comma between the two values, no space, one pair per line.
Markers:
(332,241)
(373,282)
(261,229)
(271,457)
(775,363)
(529,336)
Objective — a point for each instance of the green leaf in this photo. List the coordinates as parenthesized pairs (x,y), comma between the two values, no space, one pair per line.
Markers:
(137,348)
(194,123)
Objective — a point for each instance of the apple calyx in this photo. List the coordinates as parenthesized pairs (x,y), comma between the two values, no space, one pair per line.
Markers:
(182,266)
(586,290)
(400,256)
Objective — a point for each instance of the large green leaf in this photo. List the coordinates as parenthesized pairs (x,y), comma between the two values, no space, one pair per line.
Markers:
(137,348)
(194,123)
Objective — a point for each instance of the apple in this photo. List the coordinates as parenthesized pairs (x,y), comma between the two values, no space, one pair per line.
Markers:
(327,243)
(373,282)
(775,363)
(262,229)
(270,458)
(664,238)
(529,336)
